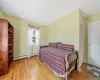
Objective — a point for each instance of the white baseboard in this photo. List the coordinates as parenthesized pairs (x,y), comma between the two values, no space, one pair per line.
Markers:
(20,57)
(35,54)
(79,67)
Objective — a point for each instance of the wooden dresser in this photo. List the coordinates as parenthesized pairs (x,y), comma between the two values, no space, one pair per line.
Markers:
(6,45)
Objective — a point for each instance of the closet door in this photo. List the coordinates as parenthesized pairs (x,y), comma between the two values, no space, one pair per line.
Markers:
(3,46)
(94,43)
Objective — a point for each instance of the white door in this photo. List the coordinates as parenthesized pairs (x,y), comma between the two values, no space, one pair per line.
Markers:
(37,40)
(30,41)
(94,43)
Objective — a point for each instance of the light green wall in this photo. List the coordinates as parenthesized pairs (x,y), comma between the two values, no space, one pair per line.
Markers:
(87,20)
(21,34)
(1,14)
(24,35)
(64,30)
(81,39)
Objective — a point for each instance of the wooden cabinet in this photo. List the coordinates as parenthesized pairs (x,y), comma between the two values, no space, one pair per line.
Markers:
(6,45)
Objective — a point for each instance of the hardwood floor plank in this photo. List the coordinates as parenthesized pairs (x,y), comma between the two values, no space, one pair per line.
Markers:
(34,69)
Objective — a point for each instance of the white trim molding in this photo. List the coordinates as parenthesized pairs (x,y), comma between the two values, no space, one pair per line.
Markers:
(20,57)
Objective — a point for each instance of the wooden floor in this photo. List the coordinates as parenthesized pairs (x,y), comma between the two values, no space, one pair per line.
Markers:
(34,69)
(81,75)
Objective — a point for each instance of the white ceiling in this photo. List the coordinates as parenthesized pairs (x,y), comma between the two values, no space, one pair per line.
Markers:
(47,11)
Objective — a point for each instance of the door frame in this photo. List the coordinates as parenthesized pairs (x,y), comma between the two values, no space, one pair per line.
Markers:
(29,47)
(81,45)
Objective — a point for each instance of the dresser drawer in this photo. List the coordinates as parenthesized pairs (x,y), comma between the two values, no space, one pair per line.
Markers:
(1,71)
(0,58)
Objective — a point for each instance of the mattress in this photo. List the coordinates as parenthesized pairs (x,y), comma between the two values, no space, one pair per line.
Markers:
(57,59)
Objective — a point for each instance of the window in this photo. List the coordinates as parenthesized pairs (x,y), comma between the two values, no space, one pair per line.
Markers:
(34,37)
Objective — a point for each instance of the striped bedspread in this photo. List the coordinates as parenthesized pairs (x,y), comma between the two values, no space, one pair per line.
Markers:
(56,59)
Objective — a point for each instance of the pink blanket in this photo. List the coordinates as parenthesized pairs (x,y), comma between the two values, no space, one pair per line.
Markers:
(56,59)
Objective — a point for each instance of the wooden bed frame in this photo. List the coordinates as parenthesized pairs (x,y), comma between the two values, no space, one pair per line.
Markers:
(74,63)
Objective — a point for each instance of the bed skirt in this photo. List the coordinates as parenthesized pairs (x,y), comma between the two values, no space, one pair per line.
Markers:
(62,76)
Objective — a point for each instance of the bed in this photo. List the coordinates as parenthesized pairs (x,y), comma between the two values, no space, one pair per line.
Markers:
(59,57)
